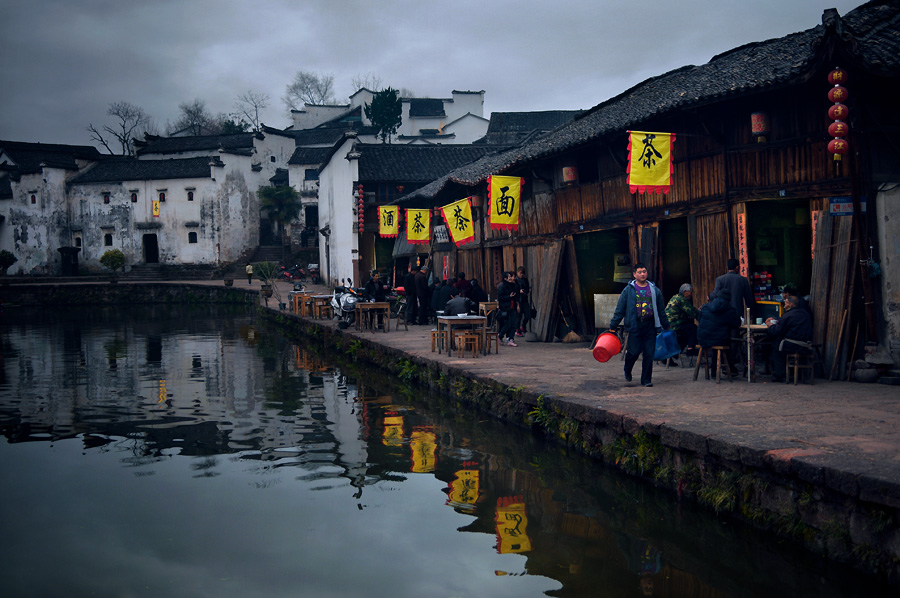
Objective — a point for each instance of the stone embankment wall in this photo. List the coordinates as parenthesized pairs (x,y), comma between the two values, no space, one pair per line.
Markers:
(120,294)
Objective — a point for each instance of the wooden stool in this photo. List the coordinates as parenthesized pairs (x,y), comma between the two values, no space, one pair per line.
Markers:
(704,356)
(438,336)
(401,317)
(799,361)
(466,340)
(492,338)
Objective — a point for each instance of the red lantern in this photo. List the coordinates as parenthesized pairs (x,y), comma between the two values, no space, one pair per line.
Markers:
(838,147)
(838,129)
(837,94)
(838,112)
(837,77)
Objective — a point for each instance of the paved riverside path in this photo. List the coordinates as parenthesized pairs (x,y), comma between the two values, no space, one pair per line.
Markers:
(846,432)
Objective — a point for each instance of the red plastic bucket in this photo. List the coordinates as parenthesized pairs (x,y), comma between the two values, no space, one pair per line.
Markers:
(606,347)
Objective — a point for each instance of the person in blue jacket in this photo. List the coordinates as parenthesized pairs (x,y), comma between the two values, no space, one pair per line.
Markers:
(643,310)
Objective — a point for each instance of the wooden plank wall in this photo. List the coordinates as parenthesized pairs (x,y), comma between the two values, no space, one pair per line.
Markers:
(547,285)
(706,233)
(831,291)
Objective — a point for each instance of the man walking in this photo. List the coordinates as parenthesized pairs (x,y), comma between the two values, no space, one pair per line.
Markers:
(249,271)
(643,310)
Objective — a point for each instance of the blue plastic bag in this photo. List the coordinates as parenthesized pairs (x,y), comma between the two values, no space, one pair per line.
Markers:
(666,345)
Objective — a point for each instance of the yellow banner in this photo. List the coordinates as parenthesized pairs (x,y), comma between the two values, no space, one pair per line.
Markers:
(423,444)
(512,525)
(393,431)
(458,216)
(388,221)
(418,227)
(464,490)
(650,161)
(156,208)
(504,195)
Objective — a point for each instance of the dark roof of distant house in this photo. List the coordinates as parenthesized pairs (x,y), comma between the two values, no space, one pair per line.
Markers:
(426,107)
(511,128)
(319,136)
(414,163)
(130,169)
(280,178)
(310,155)
(30,156)
(199,143)
(870,33)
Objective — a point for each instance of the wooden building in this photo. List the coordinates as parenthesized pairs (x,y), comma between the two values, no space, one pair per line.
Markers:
(766,197)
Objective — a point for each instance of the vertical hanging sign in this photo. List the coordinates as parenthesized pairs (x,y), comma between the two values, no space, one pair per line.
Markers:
(742,244)
(418,226)
(504,199)
(388,221)
(650,162)
(458,216)
(156,208)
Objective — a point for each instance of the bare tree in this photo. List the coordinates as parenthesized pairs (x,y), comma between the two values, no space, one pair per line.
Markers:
(309,88)
(130,121)
(248,106)
(195,119)
(369,80)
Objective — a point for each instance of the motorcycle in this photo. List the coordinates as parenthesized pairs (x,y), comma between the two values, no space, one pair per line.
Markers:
(313,270)
(343,303)
(295,273)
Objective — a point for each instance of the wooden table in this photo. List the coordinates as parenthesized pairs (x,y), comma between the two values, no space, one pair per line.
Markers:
(299,303)
(486,307)
(317,302)
(373,310)
(479,322)
(752,331)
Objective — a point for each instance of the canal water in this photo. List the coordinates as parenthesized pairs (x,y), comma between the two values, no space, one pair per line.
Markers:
(188,452)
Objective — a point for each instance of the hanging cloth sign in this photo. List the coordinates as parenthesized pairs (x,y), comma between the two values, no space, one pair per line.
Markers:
(418,227)
(650,162)
(388,221)
(155,207)
(504,194)
(458,216)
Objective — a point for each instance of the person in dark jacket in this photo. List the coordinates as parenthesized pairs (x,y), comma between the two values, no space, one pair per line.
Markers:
(375,288)
(459,304)
(523,300)
(445,294)
(424,300)
(506,309)
(793,333)
(642,309)
(738,288)
(790,290)
(409,285)
(476,293)
(435,294)
(717,319)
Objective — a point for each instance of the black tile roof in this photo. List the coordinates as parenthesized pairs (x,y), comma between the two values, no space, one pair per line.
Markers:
(511,128)
(869,33)
(426,107)
(320,136)
(130,169)
(199,143)
(414,163)
(30,156)
(310,155)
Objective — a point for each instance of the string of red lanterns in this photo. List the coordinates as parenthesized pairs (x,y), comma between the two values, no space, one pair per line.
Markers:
(838,112)
(360,209)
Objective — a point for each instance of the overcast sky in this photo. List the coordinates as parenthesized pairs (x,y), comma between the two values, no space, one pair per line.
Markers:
(62,62)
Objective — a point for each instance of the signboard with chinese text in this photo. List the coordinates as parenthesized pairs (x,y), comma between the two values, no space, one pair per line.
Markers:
(418,226)
(742,244)
(388,221)
(843,206)
(458,216)
(649,162)
(504,195)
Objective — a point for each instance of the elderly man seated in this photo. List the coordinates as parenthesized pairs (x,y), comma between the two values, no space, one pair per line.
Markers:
(793,334)
(681,314)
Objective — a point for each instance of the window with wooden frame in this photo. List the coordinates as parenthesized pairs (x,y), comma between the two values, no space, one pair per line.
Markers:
(192,237)
(107,240)
(33,198)
(106,198)
(133,197)
(162,196)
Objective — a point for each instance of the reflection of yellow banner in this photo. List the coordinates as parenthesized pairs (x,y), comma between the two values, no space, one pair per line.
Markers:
(418,227)
(156,208)
(504,199)
(162,391)
(465,488)
(388,221)
(458,216)
(393,431)
(424,450)
(649,162)
(512,524)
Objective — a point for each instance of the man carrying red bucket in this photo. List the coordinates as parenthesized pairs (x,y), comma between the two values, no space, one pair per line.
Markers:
(642,307)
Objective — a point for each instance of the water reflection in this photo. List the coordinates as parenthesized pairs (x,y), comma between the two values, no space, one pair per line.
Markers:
(188,452)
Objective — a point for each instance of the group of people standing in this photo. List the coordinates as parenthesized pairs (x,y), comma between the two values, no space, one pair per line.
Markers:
(513,306)
(640,309)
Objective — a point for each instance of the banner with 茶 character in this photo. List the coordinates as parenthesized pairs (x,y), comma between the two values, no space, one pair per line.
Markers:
(512,525)
(504,198)
(650,162)
(418,226)
(458,216)
(388,221)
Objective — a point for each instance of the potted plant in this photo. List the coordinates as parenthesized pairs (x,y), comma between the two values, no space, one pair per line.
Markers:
(6,260)
(266,273)
(114,260)
(229,281)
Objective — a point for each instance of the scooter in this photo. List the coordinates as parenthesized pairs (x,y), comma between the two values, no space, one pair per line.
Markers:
(295,273)
(343,302)
(313,270)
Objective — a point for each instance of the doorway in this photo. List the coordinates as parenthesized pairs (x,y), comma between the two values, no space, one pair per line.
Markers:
(151,249)
(779,236)
(675,259)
